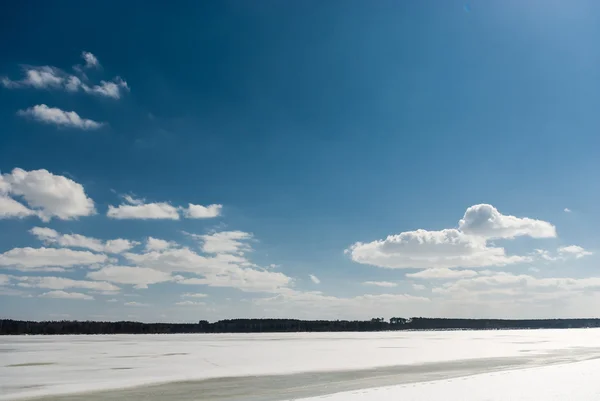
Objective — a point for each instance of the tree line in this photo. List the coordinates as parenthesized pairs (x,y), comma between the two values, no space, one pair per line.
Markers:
(15,327)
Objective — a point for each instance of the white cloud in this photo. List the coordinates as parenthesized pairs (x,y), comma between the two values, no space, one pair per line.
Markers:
(291,302)
(516,286)
(429,249)
(192,295)
(112,300)
(10,208)
(225,242)
(47,78)
(113,89)
(486,221)
(567,210)
(90,60)
(62,283)
(148,211)
(202,212)
(442,273)
(574,250)
(44,77)
(50,236)
(61,118)
(418,287)
(137,304)
(244,279)
(190,303)
(140,277)
(49,195)
(314,279)
(386,284)
(48,259)
(155,244)
(66,295)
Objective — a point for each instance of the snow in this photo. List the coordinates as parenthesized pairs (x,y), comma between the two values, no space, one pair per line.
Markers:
(576,381)
(50,365)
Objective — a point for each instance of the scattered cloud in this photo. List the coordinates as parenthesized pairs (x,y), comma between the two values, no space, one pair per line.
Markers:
(90,60)
(190,303)
(418,287)
(314,279)
(155,244)
(66,295)
(113,89)
(194,295)
(442,273)
(574,250)
(386,284)
(48,195)
(58,117)
(486,221)
(48,259)
(232,242)
(139,277)
(567,210)
(44,77)
(147,211)
(53,78)
(112,300)
(50,236)
(137,304)
(62,283)
(202,212)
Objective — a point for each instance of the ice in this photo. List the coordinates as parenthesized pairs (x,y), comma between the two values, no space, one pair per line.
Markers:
(47,365)
(576,381)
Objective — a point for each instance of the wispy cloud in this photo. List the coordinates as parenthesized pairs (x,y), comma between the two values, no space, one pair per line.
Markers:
(314,279)
(58,117)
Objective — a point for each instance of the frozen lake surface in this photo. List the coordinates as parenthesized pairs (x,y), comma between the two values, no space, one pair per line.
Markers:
(288,366)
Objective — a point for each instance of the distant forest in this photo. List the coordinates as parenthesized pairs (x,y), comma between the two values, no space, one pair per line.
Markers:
(15,327)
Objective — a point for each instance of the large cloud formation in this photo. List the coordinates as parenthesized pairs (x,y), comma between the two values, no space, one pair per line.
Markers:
(466,246)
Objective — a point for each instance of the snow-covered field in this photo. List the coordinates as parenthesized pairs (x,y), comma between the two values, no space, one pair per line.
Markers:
(281,366)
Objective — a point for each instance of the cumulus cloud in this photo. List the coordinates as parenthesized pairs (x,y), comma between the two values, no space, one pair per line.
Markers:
(429,249)
(486,221)
(147,211)
(113,89)
(567,210)
(225,242)
(136,304)
(202,212)
(48,259)
(574,250)
(138,209)
(58,117)
(53,78)
(418,287)
(62,283)
(156,244)
(44,77)
(10,208)
(139,277)
(50,236)
(387,284)
(314,279)
(442,273)
(193,295)
(466,246)
(66,295)
(47,194)
(91,61)
(190,303)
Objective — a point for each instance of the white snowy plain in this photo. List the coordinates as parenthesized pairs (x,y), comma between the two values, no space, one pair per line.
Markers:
(32,366)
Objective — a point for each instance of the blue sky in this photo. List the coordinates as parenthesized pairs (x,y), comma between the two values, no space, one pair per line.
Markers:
(313,139)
